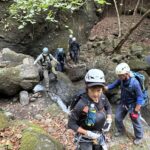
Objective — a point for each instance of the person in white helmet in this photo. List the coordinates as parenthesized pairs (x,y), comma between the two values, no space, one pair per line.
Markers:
(131,101)
(70,39)
(74,50)
(87,125)
(69,44)
(47,62)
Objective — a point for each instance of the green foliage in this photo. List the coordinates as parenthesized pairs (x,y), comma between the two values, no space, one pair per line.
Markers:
(26,11)
(102,2)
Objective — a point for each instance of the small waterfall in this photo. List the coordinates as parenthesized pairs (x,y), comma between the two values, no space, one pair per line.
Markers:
(53,96)
(59,101)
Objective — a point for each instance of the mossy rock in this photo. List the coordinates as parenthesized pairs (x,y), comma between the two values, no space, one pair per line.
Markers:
(35,138)
(3,121)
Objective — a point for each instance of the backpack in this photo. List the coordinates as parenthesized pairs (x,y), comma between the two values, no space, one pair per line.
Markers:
(60,56)
(44,58)
(141,79)
(77,97)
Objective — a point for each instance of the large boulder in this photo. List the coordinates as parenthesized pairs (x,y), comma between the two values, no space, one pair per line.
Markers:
(76,72)
(139,64)
(19,73)
(35,138)
(62,88)
(13,57)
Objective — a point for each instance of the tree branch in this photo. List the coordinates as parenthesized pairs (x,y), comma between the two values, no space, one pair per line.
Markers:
(125,37)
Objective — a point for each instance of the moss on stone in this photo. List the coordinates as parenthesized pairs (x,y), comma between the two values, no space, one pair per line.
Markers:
(35,128)
(35,138)
(28,141)
(3,121)
(57,144)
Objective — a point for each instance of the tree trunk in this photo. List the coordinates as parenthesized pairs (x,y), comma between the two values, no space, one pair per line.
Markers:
(135,10)
(119,24)
(125,37)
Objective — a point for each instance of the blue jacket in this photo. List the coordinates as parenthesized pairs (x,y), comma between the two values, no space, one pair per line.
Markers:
(130,91)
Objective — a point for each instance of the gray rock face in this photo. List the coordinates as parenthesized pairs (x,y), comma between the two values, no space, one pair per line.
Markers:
(63,88)
(18,74)
(136,50)
(105,64)
(139,64)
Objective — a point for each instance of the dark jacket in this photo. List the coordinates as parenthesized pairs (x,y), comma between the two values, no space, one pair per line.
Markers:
(75,47)
(126,93)
(78,117)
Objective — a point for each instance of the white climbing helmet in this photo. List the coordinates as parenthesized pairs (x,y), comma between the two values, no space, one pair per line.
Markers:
(122,68)
(94,77)
(70,36)
(73,39)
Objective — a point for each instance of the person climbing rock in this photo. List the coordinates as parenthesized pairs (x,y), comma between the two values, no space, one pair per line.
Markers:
(48,63)
(74,50)
(131,101)
(91,114)
(61,58)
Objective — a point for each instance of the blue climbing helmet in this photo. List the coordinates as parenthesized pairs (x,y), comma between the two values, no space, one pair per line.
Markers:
(60,50)
(45,51)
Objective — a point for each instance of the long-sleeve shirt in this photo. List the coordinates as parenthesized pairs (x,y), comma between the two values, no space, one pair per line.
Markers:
(130,90)
(78,116)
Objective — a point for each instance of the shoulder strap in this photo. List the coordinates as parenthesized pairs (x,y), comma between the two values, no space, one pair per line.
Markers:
(43,58)
(130,86)
(85,99)
(49,55)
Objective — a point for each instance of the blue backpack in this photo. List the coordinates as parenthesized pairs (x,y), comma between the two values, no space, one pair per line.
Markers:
(141,79)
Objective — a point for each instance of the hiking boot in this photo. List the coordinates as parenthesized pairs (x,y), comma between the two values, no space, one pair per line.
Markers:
(137,141)
(118,134)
